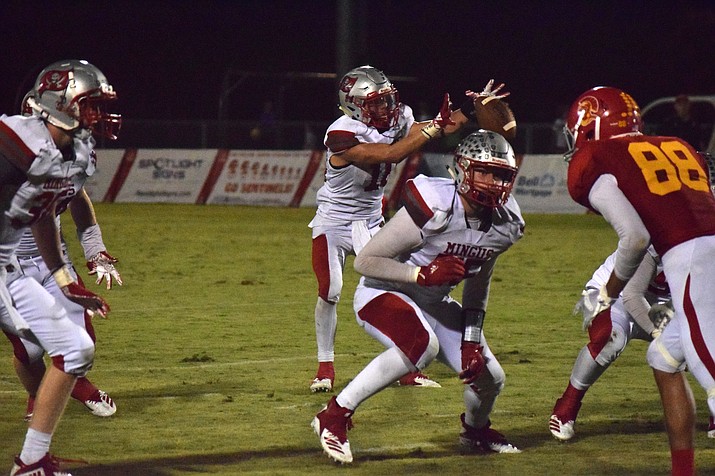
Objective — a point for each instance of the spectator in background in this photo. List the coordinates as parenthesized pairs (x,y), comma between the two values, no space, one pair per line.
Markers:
(683,124)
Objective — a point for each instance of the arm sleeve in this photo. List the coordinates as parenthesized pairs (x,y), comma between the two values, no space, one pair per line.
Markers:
(633,296)
(633,238)
(377,258)
(475,294)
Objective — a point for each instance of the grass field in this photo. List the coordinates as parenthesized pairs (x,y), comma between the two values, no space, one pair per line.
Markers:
(209,350)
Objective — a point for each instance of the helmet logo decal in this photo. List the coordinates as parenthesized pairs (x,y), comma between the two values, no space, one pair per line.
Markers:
(588,107)
(346,85)
(54,81)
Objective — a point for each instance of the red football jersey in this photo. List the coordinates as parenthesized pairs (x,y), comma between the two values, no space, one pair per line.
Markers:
(663,178)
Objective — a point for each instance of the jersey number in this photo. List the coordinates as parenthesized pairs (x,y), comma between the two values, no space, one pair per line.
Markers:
(668,167)
(379,175)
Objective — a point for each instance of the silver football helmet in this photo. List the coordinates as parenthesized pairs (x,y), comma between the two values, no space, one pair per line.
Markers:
(74,95)
(368,96)
(485,167)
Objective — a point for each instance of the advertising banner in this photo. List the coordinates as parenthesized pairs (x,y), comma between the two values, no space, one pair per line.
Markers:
(161,175)
(260,177)
(541,186)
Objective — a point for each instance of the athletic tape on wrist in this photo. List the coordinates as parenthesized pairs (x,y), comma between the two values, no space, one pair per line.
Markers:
(62,276)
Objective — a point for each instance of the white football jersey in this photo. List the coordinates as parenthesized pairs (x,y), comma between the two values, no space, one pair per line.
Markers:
(51,177)
(351,193)
(434,205)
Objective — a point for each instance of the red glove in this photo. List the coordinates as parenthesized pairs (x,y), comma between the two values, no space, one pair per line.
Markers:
(442,270)
(86,298)
(443,119)
(473,363)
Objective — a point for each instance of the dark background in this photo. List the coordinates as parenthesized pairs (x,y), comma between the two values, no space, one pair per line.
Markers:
(169,59)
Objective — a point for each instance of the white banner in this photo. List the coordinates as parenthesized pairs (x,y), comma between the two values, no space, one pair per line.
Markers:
(541,186)
(166,175)
(260,177)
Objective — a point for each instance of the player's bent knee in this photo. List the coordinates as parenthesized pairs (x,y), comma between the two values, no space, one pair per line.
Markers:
(78,360)
(613,347)
(659,358)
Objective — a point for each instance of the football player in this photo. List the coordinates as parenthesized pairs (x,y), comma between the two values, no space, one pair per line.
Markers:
(448,231)
(46,157)
(652,190)
(641,312)
(27,358)
(376,132)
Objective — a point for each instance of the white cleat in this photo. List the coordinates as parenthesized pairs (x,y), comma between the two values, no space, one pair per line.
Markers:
(417,379)
(711,428)
(332,425)
(323,385)
(103,406)
(561,431)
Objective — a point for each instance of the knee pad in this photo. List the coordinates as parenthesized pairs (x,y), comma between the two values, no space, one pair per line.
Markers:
(490,383)
(659,358)
(613,347)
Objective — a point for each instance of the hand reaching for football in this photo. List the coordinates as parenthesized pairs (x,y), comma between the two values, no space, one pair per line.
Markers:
(488,94)
(491,112)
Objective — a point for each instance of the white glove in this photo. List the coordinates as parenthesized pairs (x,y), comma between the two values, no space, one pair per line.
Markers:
(593,302)
(660,315)
(488,93)
(102,264)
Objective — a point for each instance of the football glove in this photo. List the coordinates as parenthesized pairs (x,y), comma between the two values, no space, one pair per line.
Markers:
(488,94)
(660,315)
(593,302)
(473,362)
(442,270)
(102,265)
(443,119)
(75,292)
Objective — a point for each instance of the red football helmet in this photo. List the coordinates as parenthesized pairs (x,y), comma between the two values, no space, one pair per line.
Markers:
(600,113)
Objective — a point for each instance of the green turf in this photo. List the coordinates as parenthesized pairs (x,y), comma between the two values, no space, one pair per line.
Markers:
(209,350)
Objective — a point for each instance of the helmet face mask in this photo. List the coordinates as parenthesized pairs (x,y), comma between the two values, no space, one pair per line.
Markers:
(74,95)
(485,166)
(600,113)
(368,96)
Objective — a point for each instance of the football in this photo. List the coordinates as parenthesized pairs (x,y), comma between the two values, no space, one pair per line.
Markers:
(495,115)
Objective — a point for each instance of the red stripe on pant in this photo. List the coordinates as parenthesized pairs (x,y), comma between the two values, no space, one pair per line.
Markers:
(398,321)
(696,335)
(321,266)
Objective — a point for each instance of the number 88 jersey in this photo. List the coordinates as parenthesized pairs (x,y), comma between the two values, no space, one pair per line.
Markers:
(663,178)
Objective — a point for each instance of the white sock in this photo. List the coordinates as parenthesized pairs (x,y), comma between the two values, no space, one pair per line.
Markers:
(326,324)
(382,371)
(37,444)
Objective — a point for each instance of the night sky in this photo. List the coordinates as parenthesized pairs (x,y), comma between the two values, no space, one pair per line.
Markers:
(168,59)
